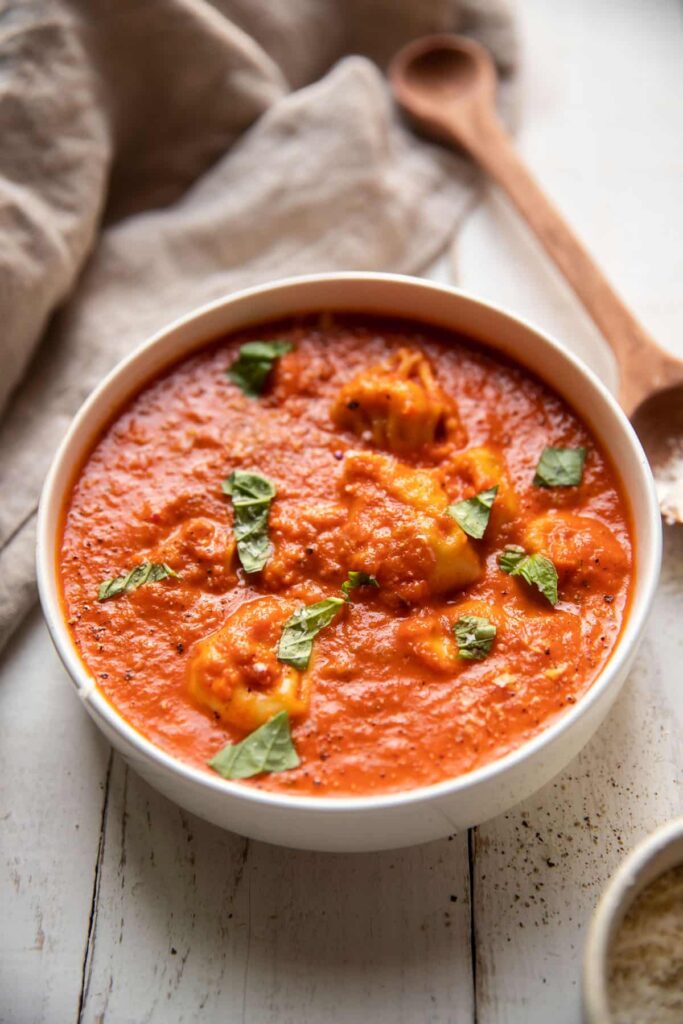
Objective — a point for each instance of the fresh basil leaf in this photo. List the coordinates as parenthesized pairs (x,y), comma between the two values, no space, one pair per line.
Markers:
(472,514)
(251,496)
(475,637)
(357,579)
(301,628)
(267,749)
(255,361)
(560,467)
(537,570)
(510,558)
(147,572)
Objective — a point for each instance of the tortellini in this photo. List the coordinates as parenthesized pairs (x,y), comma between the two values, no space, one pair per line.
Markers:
(483,467)
(398,529)
(235,672)
(428,635)
(397,405)
(202,550)
(577,545)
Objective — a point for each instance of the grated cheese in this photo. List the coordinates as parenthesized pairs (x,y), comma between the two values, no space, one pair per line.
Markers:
(646,962)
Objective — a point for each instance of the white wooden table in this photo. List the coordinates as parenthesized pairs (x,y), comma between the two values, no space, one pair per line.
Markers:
(118,907)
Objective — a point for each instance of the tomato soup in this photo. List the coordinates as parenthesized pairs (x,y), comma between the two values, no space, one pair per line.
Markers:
(345,556)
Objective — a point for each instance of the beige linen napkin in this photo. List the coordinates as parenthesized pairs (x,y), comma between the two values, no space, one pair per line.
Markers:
(157,154)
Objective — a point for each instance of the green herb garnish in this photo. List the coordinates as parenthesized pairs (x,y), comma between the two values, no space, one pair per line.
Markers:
(301,628)
(251,496)
(475,637)
(560,467)
(357,579)
(472,514)
(147,572)
(267,749)
(255,361)
(537,570)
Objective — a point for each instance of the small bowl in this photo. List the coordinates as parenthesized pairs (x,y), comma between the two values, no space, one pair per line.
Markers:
(395,819)
(657,854)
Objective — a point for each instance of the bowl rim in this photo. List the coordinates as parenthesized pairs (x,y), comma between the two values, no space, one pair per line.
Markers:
(49,587)
(659,852)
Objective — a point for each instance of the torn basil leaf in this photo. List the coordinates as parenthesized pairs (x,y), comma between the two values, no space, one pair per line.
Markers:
(510,558)
(267,749)
(537,570)
(560,467)
(301,628)
(251,496)
(357,579)
(255,361)
(474,636)
(472,514)
(147,572)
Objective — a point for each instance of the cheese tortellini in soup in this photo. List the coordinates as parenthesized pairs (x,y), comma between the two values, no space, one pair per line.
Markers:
(579,546)
(480,468)
(398,529)
(397,405)
(235,671)
(427,634)
(202,550)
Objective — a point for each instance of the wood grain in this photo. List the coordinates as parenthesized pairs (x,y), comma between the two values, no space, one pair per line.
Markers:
(191,920)
(53,783)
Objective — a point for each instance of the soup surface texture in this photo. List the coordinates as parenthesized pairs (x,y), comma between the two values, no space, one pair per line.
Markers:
(447,648)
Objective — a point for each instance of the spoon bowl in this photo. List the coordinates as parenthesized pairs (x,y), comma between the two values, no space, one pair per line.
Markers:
(450,65)
(447,86)
(658,421)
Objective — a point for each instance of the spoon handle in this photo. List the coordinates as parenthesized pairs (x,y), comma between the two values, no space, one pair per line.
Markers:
(644,366)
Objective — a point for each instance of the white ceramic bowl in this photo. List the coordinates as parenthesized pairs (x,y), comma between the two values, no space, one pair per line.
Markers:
(400,819)
(657,854)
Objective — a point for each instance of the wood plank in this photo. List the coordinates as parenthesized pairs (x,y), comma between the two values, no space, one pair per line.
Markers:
(603,127)
(53,766)
(381,937)
(191,920)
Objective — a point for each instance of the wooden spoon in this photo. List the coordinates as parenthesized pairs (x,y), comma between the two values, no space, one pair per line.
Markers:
(447,84)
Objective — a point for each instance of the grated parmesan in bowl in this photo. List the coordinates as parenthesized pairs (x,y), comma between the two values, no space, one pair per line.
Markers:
(645,979)
(633,958)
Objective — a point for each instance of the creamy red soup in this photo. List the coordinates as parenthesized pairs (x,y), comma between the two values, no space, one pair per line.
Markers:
(345,556)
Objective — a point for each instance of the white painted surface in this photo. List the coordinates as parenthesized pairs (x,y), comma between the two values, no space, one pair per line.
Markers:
(315,937)
(53,767)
